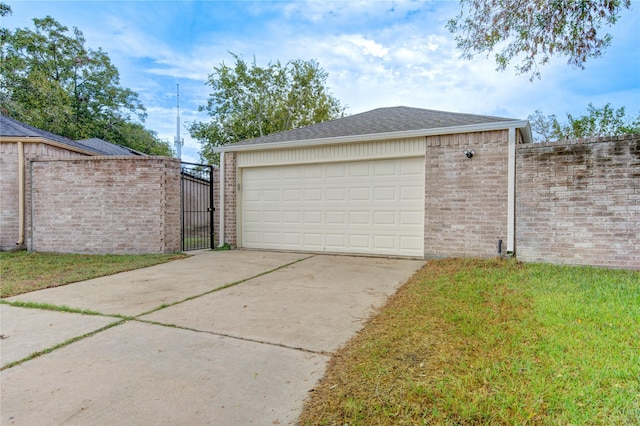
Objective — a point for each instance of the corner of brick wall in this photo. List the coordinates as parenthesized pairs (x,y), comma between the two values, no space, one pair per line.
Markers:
(171,211)
(578,202)
(466,198)
(8,196)
(230,199)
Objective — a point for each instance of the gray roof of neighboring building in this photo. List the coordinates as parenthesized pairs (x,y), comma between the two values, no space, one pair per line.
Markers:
(10,127)
(108,148)
(378,121)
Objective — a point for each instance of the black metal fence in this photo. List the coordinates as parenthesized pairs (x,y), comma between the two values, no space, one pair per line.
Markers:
(196,190)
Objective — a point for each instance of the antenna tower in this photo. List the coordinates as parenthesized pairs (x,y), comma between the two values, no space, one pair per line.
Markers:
(178,142)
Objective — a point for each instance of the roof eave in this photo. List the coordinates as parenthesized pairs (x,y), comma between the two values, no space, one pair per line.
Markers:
(500,125)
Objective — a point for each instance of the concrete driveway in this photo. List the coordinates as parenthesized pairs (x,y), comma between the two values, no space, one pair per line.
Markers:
(225,338)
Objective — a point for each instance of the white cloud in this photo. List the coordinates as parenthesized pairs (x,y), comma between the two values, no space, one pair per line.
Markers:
(369,47)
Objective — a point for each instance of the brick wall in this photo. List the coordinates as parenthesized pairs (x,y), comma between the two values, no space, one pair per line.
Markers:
(8,195)
(9,186)
(578,202)
(106,205)
(230,199)
(466,198)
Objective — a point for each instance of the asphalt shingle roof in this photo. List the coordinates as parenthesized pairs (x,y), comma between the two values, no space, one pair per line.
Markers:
(10,127)
(107,148)
(381,120)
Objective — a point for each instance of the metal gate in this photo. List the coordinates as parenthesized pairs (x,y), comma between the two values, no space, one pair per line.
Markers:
(196,203)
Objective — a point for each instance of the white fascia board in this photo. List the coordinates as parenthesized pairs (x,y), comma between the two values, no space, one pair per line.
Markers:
(502,125)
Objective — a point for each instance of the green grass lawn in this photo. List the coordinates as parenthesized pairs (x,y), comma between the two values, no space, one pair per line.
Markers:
(21,271)
(469,342)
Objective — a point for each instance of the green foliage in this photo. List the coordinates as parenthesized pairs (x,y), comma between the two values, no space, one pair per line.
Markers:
(535,31)
(51,80)
(605,121)
(249,101)
(5,9)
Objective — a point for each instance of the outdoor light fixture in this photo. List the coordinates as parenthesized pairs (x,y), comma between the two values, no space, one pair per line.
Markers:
(469,153)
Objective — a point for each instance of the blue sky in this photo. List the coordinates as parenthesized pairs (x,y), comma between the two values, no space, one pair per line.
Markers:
(377,54)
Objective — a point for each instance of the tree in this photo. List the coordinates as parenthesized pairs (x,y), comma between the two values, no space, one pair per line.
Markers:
(50,80)
(535,30)
(5,9)
(604,121)
(249,101)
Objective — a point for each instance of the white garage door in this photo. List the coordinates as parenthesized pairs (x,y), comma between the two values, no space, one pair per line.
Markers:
(368,207)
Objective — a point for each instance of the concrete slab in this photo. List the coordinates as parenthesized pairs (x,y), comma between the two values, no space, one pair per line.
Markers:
(135,292)
(316,304)
(25,331)
(148,374)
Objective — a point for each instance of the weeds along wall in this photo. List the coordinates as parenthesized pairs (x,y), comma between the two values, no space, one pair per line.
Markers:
(105,205)
(578,202)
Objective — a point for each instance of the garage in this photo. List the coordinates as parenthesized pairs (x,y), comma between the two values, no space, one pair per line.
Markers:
(396,181)
(365,207)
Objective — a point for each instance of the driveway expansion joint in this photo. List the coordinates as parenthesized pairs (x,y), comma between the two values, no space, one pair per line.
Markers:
(230,336)
(63,344)
(225,286)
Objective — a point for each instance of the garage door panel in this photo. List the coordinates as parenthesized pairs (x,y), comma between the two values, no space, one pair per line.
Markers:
(359,217)
(290,173)
(384,169)
(411,218)
(291,217)
(384,218)
(252,195)
(359,169)
(291,238)
(411,169)
(384,242)
(313,217)
(312,240)
(272,216)
(374,207)
(335,241)
(359,241)
(271,195)
(290,194)
(336,194)
(312,194)
(359,193)
(387,193)
(336,171)
(411,192)
(335,217)
(411,243)
(312,171)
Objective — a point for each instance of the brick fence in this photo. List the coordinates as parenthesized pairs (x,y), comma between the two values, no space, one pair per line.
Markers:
(105,205)
(578,202)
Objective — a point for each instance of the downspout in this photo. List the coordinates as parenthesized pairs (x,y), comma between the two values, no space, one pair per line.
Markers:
(222,187)
(20,194)
(511,194)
